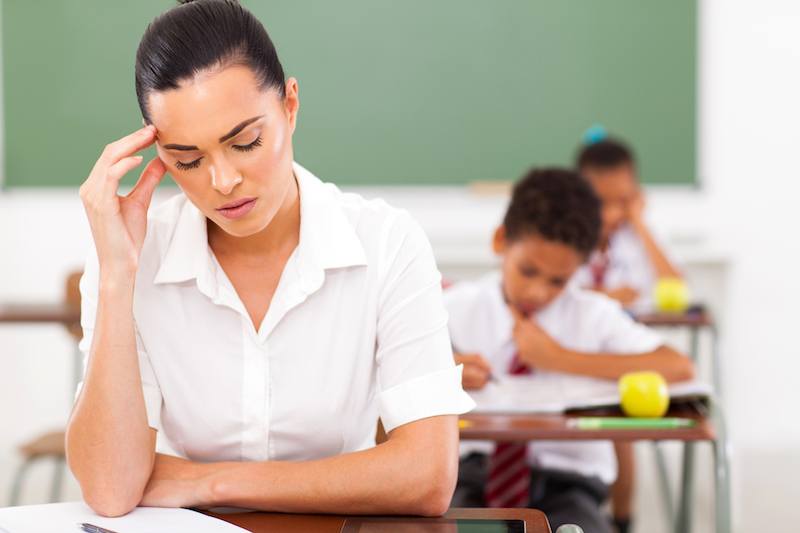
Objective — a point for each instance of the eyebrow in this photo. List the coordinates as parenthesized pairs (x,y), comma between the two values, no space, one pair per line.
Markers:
(235,131)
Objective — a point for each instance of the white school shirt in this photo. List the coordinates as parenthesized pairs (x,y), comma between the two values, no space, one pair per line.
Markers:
(356,330)
(578,319)
(628,266)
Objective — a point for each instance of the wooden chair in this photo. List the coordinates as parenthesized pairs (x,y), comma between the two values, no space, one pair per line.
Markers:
(51,445)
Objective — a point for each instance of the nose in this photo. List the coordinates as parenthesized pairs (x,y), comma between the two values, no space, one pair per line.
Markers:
(224,176)
(537,292)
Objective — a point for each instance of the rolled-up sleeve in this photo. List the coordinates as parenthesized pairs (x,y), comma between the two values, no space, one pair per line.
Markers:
(89,287)
(417,377)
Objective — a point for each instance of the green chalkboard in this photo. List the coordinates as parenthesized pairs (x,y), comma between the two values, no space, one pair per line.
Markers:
(392,92)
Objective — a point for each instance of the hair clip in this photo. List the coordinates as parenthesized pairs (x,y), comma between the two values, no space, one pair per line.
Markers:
(594,134)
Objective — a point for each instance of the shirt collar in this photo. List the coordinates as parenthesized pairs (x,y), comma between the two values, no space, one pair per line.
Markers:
(327,239)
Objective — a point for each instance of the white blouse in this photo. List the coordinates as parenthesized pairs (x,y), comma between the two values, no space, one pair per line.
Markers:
(356,330)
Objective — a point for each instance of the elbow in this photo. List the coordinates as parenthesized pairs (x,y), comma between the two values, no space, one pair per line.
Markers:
(439,484)
(436,504)
(686,370)
(109,504)
(682,370)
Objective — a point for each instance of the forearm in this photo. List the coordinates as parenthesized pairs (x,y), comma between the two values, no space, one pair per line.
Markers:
(110,447)
(661,265)
(397,477)
(664,360)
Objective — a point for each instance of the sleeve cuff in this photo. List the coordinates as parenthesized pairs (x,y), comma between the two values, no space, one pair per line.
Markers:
(435,394)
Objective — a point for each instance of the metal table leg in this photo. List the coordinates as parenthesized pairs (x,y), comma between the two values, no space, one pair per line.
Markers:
(722,496)
(665,484)
(683,518)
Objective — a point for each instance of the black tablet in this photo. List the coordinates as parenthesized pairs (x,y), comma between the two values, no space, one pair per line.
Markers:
(431,525)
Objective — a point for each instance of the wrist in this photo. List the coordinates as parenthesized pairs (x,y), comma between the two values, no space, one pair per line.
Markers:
(213,485)
(117,280)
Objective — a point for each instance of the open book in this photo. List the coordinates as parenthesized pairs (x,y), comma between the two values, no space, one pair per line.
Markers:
(66,517)
(556,393)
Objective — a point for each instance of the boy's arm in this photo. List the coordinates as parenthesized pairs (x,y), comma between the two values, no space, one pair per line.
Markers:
(658,259)
(540,350)
(664,360)
(624,295)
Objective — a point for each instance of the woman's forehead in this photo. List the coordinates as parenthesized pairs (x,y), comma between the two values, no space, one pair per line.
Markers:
(209,105)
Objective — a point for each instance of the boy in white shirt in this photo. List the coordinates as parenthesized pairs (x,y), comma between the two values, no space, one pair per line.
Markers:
(628,260)
(529,318)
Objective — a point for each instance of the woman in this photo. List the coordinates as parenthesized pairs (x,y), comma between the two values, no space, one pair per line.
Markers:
(261,320)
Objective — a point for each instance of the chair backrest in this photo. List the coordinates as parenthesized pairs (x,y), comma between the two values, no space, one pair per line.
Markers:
(72,297)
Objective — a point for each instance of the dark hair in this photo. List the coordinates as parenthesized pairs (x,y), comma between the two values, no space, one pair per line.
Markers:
(556,204)
(199,35)
(604,154)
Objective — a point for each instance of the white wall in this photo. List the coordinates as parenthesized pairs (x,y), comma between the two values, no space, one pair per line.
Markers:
(746,214)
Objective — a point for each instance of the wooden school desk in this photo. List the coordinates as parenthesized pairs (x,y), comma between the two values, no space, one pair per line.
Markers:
(709,428)
(49,444)
(65,314)
(535,521)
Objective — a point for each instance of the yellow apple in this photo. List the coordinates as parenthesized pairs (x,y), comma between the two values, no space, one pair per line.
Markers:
(643,394)
(671,295)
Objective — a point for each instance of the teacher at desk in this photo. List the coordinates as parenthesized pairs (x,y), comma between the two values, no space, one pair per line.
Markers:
(261,320)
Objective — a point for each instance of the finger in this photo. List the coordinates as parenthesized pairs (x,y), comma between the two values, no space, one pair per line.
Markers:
(120,168)
(142,192)
(129,145)
(483,363)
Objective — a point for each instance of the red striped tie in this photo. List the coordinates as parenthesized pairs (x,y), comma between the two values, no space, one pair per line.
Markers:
(509,474)
(598,266)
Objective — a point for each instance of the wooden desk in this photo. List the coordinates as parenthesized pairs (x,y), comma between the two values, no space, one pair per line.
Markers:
(693,319)
(710,427)
(522,427)
(535,521)
(59,313)
(63,313)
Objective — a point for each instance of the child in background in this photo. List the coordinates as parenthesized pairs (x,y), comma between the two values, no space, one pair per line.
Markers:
(528,318)
(625,265)
(628,260)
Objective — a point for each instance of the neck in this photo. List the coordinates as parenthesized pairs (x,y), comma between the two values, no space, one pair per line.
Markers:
(281,232)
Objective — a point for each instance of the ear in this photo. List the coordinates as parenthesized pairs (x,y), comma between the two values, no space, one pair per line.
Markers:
(292,102)
(499,240)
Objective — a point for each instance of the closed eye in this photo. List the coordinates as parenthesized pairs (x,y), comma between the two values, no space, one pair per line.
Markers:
(189,165)
(248,147)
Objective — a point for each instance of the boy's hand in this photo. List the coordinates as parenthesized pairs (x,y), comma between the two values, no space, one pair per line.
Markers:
(477,370)
(536,347)
(636,210)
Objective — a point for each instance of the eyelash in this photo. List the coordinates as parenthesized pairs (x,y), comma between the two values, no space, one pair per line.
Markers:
(196,163)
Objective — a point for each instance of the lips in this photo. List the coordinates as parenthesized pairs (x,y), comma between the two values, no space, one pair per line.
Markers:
(236,203)
(239,209)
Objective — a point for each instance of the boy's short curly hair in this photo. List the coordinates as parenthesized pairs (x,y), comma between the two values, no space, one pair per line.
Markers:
(556,204)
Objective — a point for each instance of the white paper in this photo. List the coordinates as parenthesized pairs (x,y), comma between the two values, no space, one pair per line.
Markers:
(66,517)
(555,393)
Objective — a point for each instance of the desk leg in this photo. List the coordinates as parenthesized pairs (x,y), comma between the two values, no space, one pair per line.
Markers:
(722,496)
(666,485)
(694,343)
(715,362)
(683,520)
